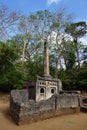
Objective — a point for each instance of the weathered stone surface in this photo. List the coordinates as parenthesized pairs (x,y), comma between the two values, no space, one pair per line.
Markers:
(23,110)
(83,104)
(46,58)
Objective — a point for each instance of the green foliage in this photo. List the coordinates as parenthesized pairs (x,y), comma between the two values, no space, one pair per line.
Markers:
(85,54)
(78,29)
(32,30)
(73,79)
(68,80)
(10,76)
(69,54)
(34,67)
(55,25)
(83,78)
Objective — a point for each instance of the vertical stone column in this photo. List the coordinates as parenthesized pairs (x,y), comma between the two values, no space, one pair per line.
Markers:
(46,58)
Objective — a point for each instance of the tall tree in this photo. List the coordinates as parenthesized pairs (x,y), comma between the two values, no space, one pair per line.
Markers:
(57,37)
(8,21)
(77,30)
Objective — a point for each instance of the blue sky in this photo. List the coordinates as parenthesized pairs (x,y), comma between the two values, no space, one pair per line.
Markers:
(77,7)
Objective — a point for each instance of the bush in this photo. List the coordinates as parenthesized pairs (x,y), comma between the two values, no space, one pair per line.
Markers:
(11,77)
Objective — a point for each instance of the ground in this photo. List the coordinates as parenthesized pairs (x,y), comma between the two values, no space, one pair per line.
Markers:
(67,122)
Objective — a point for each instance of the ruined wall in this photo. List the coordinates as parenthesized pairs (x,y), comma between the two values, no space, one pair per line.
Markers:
(25,111)
(83,104)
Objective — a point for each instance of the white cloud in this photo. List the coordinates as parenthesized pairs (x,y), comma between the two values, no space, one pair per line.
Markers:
(49,2)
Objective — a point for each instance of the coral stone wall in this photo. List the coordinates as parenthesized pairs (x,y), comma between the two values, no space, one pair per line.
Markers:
(25,111)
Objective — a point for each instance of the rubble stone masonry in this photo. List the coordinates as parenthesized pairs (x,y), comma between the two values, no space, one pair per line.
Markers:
(24,110)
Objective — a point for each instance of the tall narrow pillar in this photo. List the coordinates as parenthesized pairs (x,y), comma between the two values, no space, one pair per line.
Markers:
(46,58)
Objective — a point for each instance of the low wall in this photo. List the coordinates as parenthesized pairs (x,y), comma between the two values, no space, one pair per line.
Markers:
(25,111)
(83,104)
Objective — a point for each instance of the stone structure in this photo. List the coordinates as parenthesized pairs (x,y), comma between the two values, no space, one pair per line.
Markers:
(44,87)
(26,111)
(46,58)
(83,104)
(42,99)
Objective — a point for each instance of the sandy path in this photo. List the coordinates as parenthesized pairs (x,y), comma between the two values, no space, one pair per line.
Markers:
(69,122)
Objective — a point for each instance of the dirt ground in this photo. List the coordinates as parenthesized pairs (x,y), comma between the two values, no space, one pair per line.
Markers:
(67,122)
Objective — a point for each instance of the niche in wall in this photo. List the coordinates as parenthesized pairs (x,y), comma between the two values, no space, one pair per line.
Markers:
(53,90)
(42,90)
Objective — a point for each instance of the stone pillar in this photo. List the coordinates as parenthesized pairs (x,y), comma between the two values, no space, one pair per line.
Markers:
(46,58)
